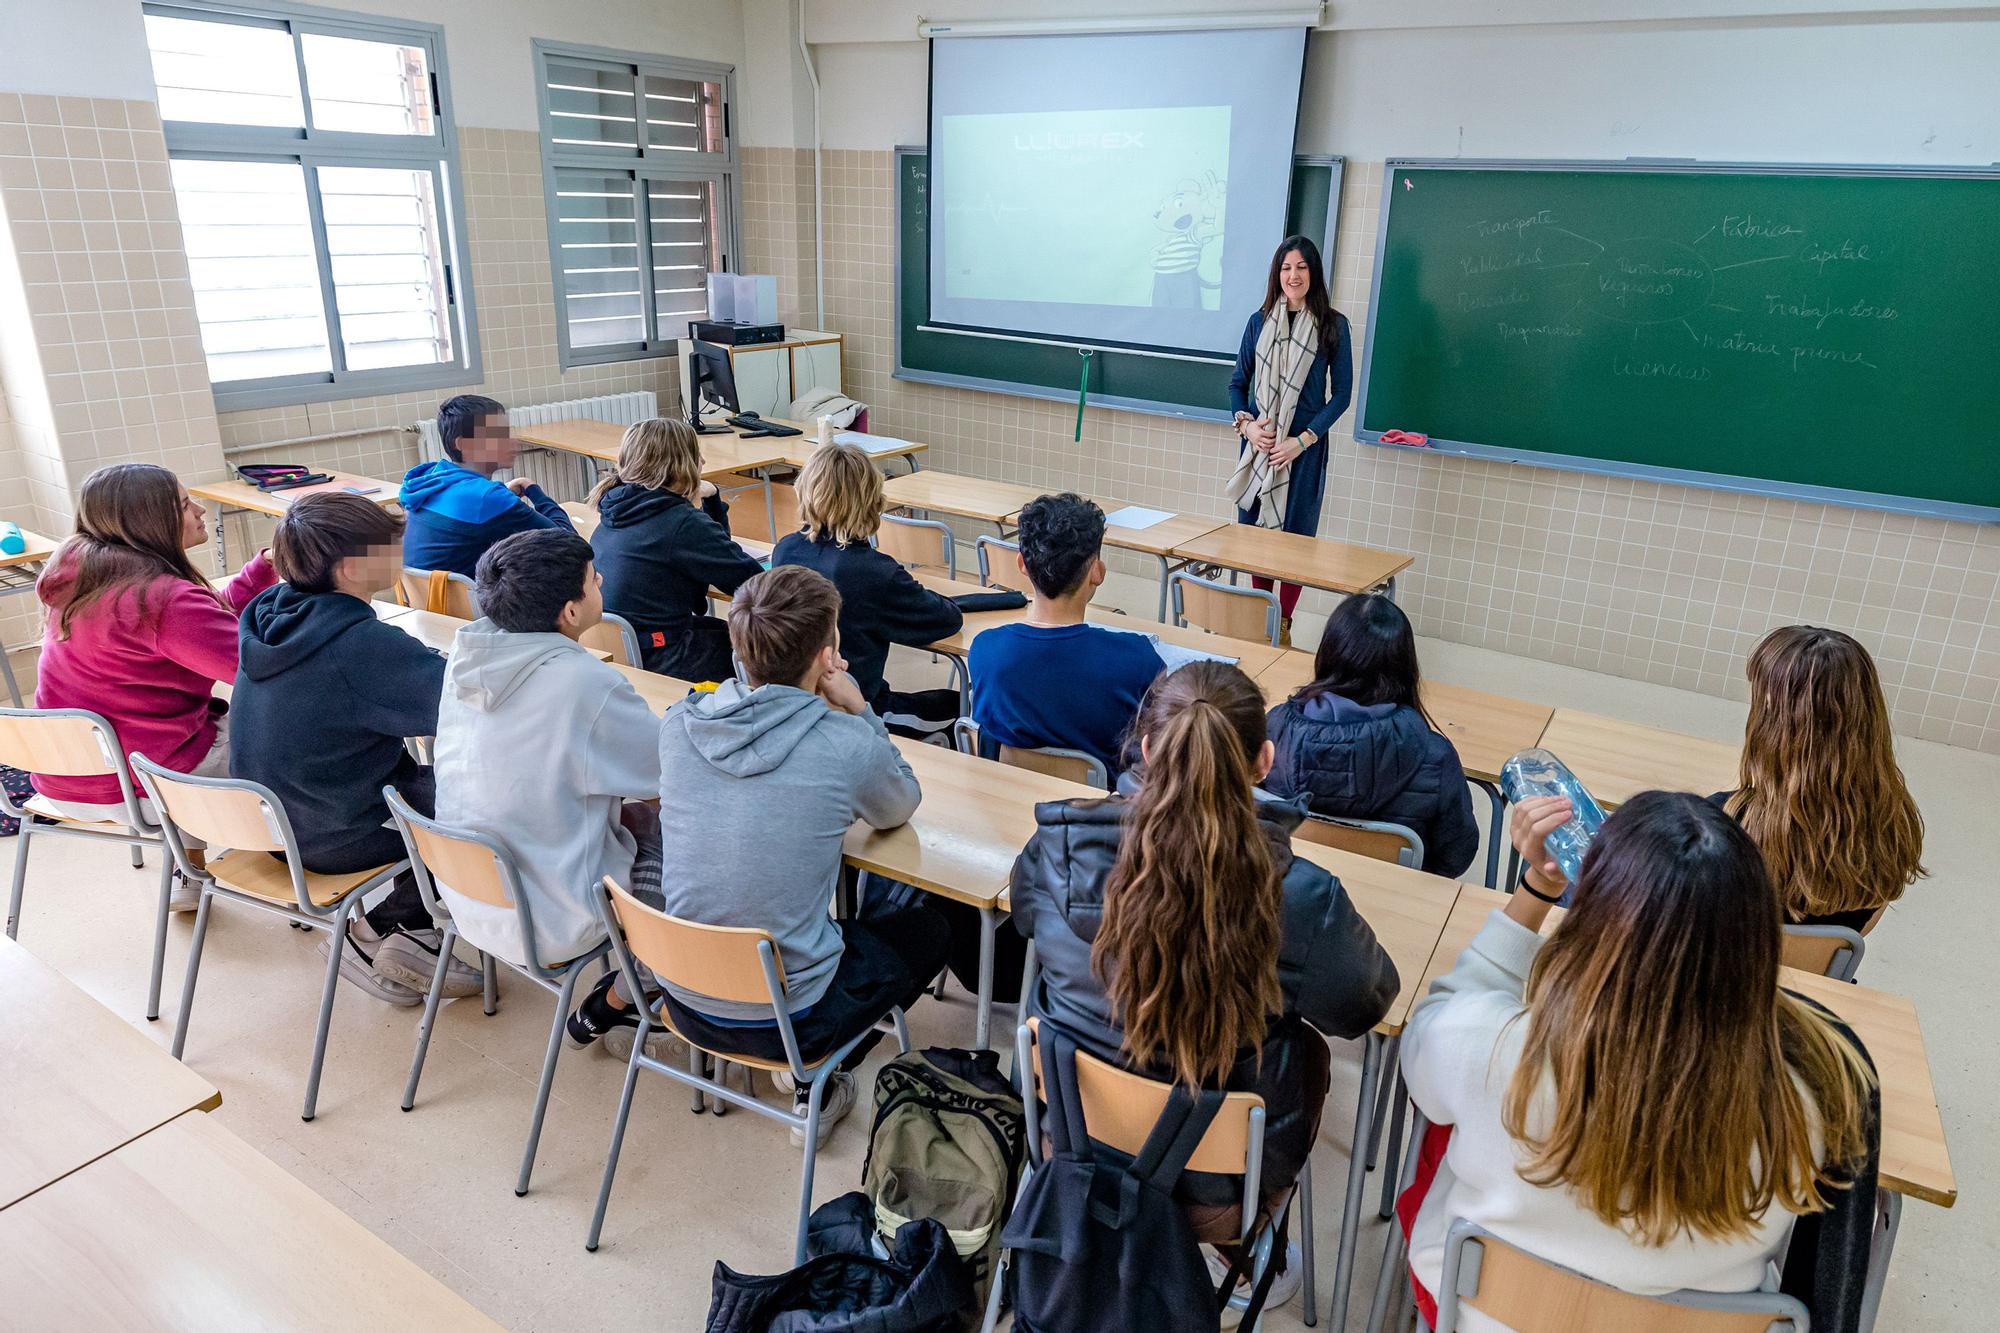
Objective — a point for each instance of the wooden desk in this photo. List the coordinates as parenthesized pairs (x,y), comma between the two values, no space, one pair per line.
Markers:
(1157,541)
(79,1082)
(1312,561)
(968,497)
(1617,760)
(601,440)
(18,573)
(435,631)
(191,1230)
(241,495)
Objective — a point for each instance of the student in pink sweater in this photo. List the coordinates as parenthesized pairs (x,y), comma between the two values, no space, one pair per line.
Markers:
(132,633)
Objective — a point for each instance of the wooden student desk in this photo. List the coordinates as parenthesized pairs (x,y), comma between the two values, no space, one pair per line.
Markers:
(78,1082)
(436,631)
(228,496)
(967,497)
(18,573)
(1616,760)
(1314,562)
(188,1229)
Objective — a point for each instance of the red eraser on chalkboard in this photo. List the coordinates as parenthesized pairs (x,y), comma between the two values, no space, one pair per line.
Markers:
(1415,439)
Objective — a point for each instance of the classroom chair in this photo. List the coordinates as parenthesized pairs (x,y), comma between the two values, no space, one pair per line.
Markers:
(440,591)
(753,520)
(1053,760)
(477,866)
(74,743)
(250,820)
(1119,1110)
(1511,1285)
(997,568)
(1829,951)
(729,963)
(614,634)
(921,545)
(1376,839)
(1224,608)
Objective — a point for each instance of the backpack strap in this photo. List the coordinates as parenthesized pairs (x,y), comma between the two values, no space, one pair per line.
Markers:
(436,594)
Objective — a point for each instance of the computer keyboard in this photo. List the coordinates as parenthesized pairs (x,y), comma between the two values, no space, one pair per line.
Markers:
(755,425)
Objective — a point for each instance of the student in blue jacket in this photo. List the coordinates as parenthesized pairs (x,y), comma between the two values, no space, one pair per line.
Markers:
(1357,743)
(455,508)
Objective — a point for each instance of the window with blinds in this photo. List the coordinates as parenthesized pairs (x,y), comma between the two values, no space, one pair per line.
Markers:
(314,164)
(640,169)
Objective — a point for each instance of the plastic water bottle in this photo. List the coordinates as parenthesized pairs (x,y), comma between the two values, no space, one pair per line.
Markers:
(825,434)
(11,540)
(1537,772)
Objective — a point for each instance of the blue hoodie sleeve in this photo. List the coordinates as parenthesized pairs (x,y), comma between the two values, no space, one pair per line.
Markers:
(396,683)
(1343,382)
(547,509)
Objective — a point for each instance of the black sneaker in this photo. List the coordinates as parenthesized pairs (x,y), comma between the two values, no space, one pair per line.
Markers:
(594,1016)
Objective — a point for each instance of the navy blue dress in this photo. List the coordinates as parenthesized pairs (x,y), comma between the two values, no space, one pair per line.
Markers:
(1315,412)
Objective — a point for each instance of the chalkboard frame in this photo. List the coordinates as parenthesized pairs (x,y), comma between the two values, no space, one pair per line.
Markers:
(1716,481)
(904,370)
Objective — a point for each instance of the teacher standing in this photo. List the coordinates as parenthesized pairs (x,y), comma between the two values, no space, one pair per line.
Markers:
(1294,378)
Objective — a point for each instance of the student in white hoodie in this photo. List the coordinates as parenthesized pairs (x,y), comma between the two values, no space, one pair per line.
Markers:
(553,753)
(1633,1096)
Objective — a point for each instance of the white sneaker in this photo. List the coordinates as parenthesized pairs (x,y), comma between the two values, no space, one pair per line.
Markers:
(1284,1286)
(357,966)
(834,1104)
(661,1045)
(410,958)
(184,895)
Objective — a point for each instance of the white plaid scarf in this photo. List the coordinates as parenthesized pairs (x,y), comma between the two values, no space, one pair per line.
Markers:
(1286,348)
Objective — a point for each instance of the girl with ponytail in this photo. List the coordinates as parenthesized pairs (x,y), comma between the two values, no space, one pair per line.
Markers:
(1178,935)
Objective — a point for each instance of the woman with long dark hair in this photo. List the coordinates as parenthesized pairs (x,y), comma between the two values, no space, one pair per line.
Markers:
(1357,743)
(1294,378)
(1178,935)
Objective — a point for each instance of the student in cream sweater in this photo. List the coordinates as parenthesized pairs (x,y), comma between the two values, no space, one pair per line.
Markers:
(1613,1088)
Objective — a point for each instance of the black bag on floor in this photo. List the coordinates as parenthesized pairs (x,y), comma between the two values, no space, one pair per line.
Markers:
(920,1288)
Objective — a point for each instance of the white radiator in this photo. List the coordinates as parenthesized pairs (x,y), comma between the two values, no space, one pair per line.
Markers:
(555,473)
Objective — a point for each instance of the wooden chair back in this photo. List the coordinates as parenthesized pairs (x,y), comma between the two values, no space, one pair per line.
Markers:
(1824,951)
(439,591)
(1522,1291)
(1074,767)
(219,811)
(613,635)
(465,867)
(1236,613)
(1120,1108)
(60,744)
(721,962)
(1377,844)
(923,546)
(1000,569)
(746,508)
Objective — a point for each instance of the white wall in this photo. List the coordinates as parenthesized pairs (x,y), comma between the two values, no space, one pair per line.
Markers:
(771,82)
(74,48)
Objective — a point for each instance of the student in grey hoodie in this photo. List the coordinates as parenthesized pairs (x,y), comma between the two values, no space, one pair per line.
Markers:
(759,782)
(541,746)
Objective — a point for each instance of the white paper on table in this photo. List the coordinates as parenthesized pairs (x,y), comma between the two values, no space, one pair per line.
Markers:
(874,444)
(1172,654)
(1135,516)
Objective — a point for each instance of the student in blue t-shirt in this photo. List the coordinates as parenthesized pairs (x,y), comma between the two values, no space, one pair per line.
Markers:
(1053,679)
(454,507)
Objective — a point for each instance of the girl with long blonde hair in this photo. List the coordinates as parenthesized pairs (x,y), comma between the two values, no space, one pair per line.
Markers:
(1820,793)
(662,541)
(1634,1097)
(1178,935)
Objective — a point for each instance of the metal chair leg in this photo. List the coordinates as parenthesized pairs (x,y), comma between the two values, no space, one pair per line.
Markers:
(813,1093)
(1392,1159)
(489,983)
(697,1068)
(193,971)
(1357,1179)
(617,1135)
(429,1021)
(327,989)
(1388,1298)
(1382,1098)
(160,940)
(1311,1292)
(20,877)
(138,856)
(548,1080)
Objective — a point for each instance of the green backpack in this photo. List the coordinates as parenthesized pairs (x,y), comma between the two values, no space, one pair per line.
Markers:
(947,1143)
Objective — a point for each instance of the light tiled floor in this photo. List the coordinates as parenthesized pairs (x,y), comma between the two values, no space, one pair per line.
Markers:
(438,1183)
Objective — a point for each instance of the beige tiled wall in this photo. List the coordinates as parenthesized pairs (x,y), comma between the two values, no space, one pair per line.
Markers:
(1656,582)
(777,227)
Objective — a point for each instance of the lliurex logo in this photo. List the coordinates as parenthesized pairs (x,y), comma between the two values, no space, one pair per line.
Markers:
(1058,141)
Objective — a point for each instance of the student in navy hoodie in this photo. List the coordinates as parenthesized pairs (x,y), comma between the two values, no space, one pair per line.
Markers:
(325,695)
(840,505)
(456,510)
(663,542)
(1357,743)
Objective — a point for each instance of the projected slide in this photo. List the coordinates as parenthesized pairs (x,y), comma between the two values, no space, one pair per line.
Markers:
(1142,203)
(1110,189)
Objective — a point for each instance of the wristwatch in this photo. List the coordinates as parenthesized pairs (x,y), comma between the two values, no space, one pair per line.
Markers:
(1307,439)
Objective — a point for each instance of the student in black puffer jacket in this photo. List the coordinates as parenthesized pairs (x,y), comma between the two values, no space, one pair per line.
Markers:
(1357,744)
(1177,934)
(663,542)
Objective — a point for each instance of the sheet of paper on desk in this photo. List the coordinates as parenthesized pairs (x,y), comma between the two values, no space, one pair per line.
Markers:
(1173,654)
(762,557)
(1133,516)
(874,444)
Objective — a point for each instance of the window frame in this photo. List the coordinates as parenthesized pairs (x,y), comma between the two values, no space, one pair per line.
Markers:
(312,149)
(643,165)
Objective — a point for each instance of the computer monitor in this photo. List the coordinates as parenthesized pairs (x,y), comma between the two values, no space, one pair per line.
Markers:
(710,379)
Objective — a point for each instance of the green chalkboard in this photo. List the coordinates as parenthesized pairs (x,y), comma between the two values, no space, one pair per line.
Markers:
(1832,333)
(1169,385)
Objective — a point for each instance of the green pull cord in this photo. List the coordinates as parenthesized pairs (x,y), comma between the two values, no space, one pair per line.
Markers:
(1083,388)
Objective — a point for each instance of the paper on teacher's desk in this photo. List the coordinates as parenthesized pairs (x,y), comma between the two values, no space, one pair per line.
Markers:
(874,444)
(1136,516)
(1172,654)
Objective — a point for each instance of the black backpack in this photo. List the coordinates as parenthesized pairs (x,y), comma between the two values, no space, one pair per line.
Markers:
(1098,1240)
(847,1287)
